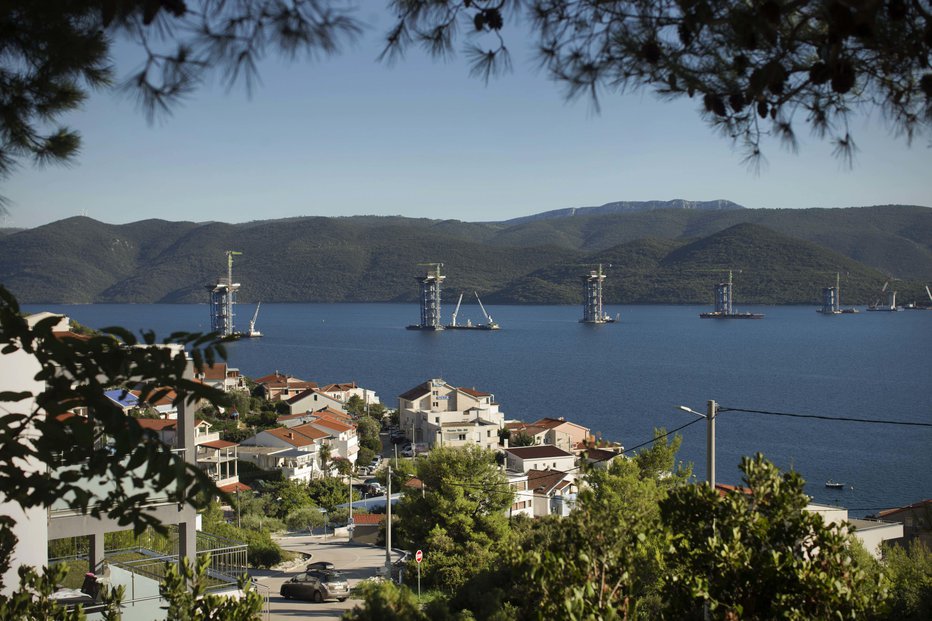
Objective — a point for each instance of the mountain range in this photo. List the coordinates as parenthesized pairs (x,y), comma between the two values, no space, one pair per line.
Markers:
(659,252)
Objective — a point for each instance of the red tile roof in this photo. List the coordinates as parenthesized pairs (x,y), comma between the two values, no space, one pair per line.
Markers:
(311,431)
(544,481)
(157,424)
(232,488)
(61,336)
(368,518)
(338,387)
(329,423)
(549,423)
(414,483)
(475,393)
(915,505)
(292,436)
(217,371)
(219,444)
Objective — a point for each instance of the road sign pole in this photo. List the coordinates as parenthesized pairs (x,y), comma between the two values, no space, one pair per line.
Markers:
(418,557)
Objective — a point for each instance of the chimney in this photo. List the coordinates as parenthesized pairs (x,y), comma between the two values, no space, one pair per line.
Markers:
(291,435)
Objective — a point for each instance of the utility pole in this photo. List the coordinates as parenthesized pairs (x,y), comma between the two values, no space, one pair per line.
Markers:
(709,416)
(710,443)
(350,523)
(388,524)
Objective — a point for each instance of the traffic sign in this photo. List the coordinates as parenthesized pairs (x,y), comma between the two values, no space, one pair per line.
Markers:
(419,556)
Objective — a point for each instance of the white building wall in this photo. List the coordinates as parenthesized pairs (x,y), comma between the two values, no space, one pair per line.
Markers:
(17,371)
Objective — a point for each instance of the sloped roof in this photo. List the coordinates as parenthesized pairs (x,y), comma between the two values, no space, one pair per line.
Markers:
(216,371)
(550,423)
(122,398)
(291,436)
(329,423)
(537,452)
(915,505)
(473,392)
(344,387)
(219,444)
(157,424)
(232,488)
(544,481)
(310,431)
(417,392)
(368,519)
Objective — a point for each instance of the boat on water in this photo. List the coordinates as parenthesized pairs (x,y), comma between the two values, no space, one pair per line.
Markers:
(830,484)
(723,306)
(469,325)
(886,303)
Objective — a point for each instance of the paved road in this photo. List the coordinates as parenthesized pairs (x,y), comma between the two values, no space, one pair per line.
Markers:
(357,562)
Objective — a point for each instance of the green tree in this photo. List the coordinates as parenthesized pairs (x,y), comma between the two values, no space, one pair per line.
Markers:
(603,561)
(108,445)
(460,518)
(522,438)
(910,573)
(189,600)
(305,518)
(368,431)
(759,554)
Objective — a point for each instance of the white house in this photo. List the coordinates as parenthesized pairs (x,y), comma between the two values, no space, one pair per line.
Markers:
(544,457)
(554,492)
(343,392)
(342,436)
(312,400)
(871,533)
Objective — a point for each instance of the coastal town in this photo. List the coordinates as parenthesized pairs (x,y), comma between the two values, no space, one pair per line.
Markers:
(288,435)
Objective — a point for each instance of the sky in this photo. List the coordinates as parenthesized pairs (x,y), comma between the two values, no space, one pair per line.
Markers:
(421,138)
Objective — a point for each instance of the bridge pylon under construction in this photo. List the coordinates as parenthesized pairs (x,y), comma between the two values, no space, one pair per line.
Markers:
(429,298)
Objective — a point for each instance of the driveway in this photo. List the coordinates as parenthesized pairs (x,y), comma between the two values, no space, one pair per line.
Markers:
(357,562)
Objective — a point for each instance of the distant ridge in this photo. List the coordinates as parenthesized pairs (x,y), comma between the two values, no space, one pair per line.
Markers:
(629,207)
(375,259)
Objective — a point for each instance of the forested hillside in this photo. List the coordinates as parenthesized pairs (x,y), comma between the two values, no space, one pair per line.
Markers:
(656,255)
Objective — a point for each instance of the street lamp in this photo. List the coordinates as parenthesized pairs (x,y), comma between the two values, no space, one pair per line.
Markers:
(709,417)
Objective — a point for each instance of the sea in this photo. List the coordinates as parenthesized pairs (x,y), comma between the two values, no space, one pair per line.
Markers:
(626,379)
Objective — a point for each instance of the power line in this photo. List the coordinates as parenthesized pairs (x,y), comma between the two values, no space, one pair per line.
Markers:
(575,468)
(875,421)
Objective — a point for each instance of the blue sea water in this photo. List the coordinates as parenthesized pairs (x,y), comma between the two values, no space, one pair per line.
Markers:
(622,380)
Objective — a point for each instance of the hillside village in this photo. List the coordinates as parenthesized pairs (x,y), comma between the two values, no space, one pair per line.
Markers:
(291,448)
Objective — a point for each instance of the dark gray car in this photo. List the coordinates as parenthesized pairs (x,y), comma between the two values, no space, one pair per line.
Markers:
(317,585)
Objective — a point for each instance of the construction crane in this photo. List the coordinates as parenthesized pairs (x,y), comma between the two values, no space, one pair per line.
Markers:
(456,312)
(488,318)
(253,333)
(230,254)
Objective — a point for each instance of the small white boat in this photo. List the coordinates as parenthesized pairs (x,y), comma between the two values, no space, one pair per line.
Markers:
(833,485)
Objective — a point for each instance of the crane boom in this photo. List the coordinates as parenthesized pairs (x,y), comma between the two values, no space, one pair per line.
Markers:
(456,312)
(488,317)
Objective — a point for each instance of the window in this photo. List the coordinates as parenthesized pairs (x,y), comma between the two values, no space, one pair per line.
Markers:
(437,419)
(462,437)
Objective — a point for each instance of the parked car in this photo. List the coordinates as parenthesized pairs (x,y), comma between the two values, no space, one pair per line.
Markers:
(317,585)
(375,461)
(375,488)
(325,565)
(407,451)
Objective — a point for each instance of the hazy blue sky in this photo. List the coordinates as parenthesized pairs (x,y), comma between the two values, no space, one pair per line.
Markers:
(348,136)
